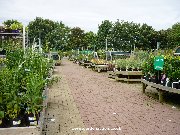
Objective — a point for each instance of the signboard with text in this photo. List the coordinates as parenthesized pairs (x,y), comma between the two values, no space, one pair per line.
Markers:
(158,62)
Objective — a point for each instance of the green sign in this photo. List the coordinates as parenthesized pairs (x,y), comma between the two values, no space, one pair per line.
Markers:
(158,62)
(86,52)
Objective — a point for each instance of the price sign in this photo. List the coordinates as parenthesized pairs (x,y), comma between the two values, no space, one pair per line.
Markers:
(158,62)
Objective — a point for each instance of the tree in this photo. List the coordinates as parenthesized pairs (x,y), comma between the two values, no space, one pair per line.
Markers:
(76,39)
(90,40)
(58,38)
(40,28)
(104,32)
(174,36)
(125,35)
(163,38)
(147,37)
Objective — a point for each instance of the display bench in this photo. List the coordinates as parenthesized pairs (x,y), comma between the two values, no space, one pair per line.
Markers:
(112,74)
(128,76)
(100,68)
(160,88)
(87,64)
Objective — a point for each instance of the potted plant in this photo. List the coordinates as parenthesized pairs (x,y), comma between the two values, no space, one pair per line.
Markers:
(16,27)
(34,98)
(175,79)
(129,65)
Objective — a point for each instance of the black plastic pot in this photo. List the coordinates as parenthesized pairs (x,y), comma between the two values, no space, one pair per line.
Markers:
(175,85)
(123,69)
(129,69)
(5,123)
(16,122)
(135,69)
(169,84)
(163,82)
(31,119)
(153,79)
(147,78)
(179,85)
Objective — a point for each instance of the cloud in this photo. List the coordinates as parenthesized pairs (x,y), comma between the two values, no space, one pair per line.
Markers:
(87,14)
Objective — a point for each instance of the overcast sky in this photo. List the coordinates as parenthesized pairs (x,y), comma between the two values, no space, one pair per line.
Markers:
(87,14)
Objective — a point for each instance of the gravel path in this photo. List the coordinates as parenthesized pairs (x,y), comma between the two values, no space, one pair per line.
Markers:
(104,103)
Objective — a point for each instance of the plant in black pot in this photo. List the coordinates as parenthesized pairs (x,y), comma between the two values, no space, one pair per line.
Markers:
(175,79)
(13,108)
(16,27)
(153,78)
(163,79)
(34,99)
(1,118)
(168,70)
(130,64)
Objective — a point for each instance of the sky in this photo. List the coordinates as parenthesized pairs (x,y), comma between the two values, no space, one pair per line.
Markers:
(88,14)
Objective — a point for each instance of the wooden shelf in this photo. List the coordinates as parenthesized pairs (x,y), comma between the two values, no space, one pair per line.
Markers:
(128,80)
(160,88)
(128,72)
(101,67)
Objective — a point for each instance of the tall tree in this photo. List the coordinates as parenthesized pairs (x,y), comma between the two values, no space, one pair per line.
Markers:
(163,38)
(174,36)
(125,35)
(39,28)
(104,32)
(147,37)
(90,40)
(58,38)
(77,39)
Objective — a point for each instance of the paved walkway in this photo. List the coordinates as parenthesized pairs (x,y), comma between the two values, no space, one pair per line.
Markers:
(101,103)
(62,114)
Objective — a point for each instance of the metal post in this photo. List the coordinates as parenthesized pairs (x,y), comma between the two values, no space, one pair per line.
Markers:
(106,44)
(40,50)
(158,44)
(106,48)
(24,39)
(27,38)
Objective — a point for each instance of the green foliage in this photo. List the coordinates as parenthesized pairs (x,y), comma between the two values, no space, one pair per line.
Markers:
(14,58)
(101,54)
(40,28)
(174,36)
(121,63)
(1,115)
(136,61)
(125,35)
(171,65)
(77,39)
(81,57)
(22,82)
(90,40)
(104,32)
(16,26)
(10,23)
(58,38)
